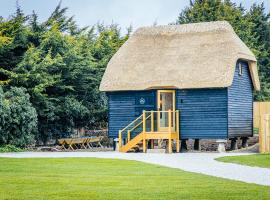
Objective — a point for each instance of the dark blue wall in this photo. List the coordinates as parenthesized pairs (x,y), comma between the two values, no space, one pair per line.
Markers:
(203,113)
(124,107)
(240,103)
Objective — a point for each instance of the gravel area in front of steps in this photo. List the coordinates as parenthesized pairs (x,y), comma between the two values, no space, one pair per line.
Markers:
(203,163)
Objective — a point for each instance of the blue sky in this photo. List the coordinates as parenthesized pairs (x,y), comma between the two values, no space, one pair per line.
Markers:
(124,12)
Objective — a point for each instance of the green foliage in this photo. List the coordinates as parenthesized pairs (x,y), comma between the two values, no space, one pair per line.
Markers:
(60,66)
(18,118)
(9,148)
(252,26)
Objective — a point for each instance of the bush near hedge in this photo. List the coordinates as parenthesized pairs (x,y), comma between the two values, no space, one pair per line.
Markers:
(9,148)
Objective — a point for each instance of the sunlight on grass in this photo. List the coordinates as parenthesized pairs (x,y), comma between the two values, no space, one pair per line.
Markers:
(258,160)
(91,178)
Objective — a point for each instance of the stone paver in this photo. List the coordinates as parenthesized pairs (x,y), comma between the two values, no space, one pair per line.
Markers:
(203,163)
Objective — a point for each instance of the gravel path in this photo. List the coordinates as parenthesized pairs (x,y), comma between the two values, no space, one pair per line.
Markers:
(193,162)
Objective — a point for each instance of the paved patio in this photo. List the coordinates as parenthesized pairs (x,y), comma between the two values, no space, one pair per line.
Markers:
(203,163)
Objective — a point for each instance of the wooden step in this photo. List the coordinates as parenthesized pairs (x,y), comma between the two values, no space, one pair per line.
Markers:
(132,143)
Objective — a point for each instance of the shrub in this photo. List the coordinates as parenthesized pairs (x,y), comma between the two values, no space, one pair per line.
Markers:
(9,148)
(18,118)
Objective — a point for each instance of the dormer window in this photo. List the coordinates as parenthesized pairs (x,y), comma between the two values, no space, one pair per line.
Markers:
(240,69)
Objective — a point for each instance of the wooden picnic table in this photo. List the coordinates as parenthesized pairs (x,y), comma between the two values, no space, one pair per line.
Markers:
(80,143)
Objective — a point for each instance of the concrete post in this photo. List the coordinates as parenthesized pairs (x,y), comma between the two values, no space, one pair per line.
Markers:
(221,146)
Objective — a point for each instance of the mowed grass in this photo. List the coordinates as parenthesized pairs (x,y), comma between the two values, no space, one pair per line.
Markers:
(258,160)
(90,178)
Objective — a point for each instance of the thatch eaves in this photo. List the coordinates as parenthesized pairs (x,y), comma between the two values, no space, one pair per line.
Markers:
(199,55)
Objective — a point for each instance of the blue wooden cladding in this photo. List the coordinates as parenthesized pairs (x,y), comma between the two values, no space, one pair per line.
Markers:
(204,113)
(124,107)
(240,103)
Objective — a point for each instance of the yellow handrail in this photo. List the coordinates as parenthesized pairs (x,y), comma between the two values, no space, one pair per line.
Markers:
(129,130)
(150,114)
(139,124)
(159,111)
(131,123)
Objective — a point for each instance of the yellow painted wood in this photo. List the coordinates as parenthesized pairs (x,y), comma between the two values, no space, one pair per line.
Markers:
(261,135)
(177,132)
(137,119)
(144,130)
(160,136)
(170,145)
(132,143)
(159,103)
(260,109)
(120,139)
(170,134)
(128,135)
(144,145)
(152,121)
(170,130)
(170,121)
(169,91)
(144,122)
(177,146)
(267,135)
(264,134)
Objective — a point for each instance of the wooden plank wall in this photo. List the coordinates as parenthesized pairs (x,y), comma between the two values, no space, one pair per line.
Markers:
(264,137)
(259,109)
(203,113)
(240,103)
(261,116)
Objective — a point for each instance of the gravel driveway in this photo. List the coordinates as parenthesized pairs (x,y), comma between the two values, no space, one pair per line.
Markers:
(193,162)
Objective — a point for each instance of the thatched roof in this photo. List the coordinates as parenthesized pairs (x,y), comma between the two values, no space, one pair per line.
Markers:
(200,55)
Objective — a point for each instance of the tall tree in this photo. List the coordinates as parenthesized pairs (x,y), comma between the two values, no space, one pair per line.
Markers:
(15,35)
(258,16)
(61,68)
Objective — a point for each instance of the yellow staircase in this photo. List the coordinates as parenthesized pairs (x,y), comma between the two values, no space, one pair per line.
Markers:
(132,143)
(150,131)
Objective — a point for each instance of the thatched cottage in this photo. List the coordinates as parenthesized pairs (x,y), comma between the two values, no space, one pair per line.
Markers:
(177,82)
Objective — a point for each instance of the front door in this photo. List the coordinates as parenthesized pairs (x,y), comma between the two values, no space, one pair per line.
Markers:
(166,102)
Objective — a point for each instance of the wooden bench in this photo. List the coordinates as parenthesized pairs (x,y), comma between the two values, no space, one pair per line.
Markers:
(80,143)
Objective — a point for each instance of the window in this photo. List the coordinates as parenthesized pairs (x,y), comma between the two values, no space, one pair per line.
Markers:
(240,69)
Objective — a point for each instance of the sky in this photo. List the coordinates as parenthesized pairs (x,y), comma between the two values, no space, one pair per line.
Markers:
(123,12)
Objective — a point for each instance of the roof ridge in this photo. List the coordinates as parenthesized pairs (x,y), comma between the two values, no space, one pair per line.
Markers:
(185,28)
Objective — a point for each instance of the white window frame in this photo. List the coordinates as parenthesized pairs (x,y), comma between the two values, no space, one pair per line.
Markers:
(240,69)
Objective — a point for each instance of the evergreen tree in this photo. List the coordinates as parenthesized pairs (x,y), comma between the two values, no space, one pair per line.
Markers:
(61,67)
(18,118)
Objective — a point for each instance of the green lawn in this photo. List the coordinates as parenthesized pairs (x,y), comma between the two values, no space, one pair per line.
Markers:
(259,160)
(90,178)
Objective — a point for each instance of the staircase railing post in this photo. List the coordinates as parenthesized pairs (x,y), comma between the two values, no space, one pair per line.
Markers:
(177,132)
(152,128)
(144,122)
(144,132)
(120,139)
(128,136)
(152,121)
(170,130)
